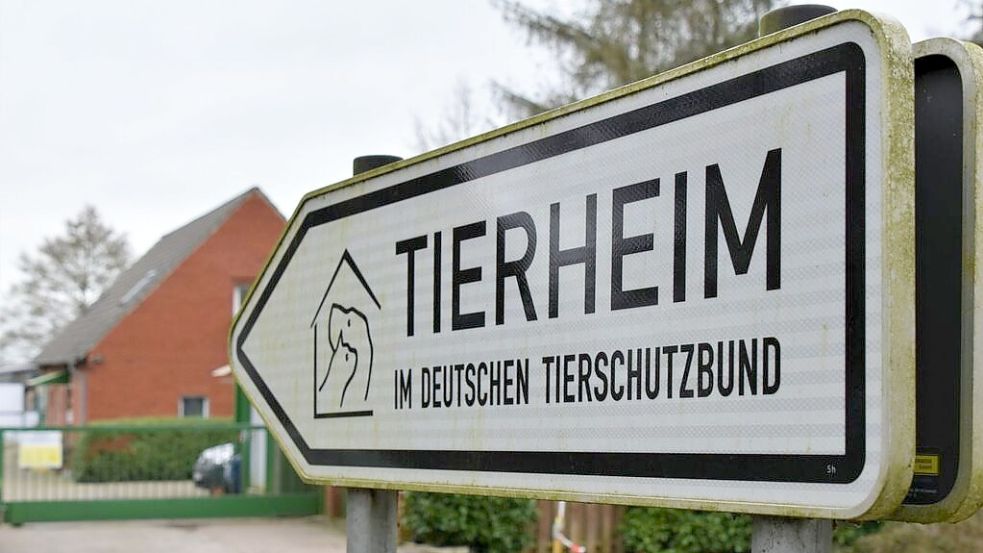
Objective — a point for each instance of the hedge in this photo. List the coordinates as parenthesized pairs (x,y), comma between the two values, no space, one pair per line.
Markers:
(651,530)
(145,454)
(485,524)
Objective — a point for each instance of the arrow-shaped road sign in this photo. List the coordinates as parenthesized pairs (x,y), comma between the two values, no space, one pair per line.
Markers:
(695,291)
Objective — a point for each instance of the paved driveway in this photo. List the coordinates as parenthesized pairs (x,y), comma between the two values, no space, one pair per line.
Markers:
(242,535)
(287,535)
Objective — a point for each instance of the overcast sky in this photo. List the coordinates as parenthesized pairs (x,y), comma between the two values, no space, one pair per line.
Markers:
(157,111)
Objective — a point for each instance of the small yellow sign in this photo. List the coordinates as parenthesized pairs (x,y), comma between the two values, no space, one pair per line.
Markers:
(40,456)
(927,465)
(40,450)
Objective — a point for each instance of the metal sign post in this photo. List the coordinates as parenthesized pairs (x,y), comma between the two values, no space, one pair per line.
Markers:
(779,534)
(370,521)
(370,517)
(791,535)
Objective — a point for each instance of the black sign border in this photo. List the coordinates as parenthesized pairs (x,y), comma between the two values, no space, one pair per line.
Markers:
(848,58)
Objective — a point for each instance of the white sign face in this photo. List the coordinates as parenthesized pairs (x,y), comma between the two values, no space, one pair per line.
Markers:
(674,297)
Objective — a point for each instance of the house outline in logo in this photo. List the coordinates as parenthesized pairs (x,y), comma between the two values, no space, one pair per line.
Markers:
(343,348)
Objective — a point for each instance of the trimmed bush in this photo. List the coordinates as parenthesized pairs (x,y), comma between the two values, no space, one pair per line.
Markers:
(143,452)
(485,524)
(649,530)
(846,533)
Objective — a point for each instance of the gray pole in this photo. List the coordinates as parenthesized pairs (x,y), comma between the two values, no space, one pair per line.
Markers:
(778,534)
(370,522)
(783,18)
(791,535)
(370,519)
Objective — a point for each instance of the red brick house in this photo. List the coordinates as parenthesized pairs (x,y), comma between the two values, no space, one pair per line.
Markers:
(147,347)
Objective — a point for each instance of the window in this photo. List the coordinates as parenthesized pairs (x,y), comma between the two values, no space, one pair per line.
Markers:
(193,406)
(239,294)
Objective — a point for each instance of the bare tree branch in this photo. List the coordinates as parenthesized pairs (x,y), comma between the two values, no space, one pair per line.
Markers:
(61,280)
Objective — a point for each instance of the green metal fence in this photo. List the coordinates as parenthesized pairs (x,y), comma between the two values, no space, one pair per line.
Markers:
(116,471)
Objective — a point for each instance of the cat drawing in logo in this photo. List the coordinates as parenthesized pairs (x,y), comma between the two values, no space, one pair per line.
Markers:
(350,364)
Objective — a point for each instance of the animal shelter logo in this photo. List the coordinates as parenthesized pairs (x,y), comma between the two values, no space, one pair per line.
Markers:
(343,350)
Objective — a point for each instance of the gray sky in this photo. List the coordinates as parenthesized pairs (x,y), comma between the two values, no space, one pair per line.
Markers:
(157,111)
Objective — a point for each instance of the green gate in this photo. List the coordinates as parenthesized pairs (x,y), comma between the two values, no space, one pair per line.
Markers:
(130,471)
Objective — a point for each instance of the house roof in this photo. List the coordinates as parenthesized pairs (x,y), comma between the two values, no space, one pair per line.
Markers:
(17,368)
(134,284)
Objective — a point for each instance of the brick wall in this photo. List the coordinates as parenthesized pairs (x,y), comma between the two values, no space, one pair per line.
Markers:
(167,347)
(57,404)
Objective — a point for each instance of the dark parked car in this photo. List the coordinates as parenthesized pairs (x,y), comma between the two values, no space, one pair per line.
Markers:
(217,469)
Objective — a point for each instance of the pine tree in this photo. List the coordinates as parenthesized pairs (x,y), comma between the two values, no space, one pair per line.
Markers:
(602,45)
(609,43)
